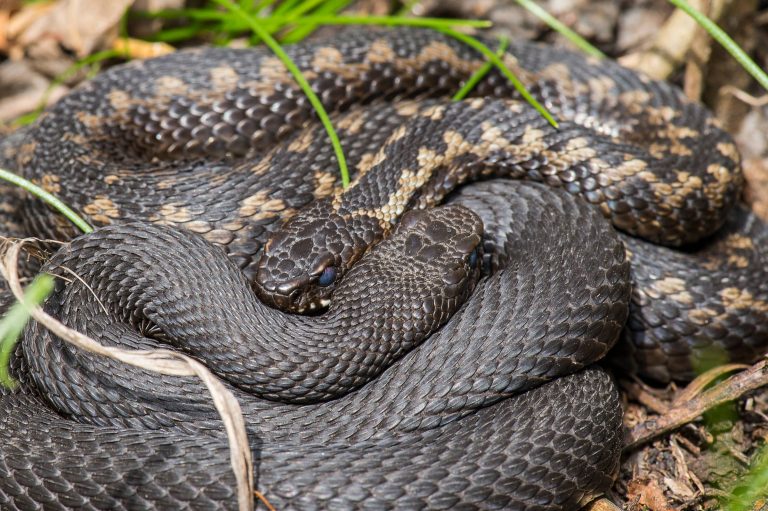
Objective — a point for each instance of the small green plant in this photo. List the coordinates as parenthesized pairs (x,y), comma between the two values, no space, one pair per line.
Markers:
(293,20)
(17,316)
(46,197)
(14,321)
(560,28)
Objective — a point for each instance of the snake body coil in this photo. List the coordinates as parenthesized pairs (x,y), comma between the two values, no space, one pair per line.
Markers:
(494,409)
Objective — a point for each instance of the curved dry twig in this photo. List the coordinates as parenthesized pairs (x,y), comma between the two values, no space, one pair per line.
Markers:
(162,361)
(683,412)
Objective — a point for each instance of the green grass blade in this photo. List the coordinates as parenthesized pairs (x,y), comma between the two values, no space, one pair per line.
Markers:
(304,7)
(300,79)
(496,61)
(754,484)
(559,27)
(46,197)
(383,21)
(172,35)
(16,318)
(286,6)
(330,7)
(195,14)
(719,35)
(480,73)
(227,22)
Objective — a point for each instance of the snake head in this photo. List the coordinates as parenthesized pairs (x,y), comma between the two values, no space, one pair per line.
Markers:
(422,273)
(304,261)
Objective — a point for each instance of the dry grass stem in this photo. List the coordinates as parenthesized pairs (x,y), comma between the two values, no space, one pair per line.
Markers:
(683,412)
(161,361)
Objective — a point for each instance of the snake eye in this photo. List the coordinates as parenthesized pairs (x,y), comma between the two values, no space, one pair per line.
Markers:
(327,277)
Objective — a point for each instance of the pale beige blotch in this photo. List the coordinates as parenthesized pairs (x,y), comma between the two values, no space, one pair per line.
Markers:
(380,52)
(89,120)
(111,179)
(351,123)
(738,261)
(301,143)
(561,75)
(648,177)
(75,138)
(170,86)
(260,205)
(715,190)
(434,112)
(328,58)
(26,152)
(219,236)
(735,298)
(634,98)
(166,184)
(578,150)
(729,150)
(396,135)
(674,136)
(672,287)
(102,210)
(407,108)
(478,103)
(172,213)
(601,86)
(666,286)
(437,50)
(119,99)
(198,226)
(51,183)
(675,194)
(325,184)
(273,69)
(368,161)
(233,225)
(739,241)
(223,78)
(702,316)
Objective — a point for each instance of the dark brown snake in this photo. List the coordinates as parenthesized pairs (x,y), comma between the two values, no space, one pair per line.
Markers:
(360,407)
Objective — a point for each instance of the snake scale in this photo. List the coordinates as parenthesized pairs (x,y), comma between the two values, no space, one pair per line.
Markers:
(467,394)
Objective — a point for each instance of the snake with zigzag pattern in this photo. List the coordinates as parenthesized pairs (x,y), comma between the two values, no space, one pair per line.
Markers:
(411,391)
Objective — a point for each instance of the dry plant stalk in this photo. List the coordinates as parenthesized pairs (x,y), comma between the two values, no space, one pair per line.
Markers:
(684,411)
(165,362)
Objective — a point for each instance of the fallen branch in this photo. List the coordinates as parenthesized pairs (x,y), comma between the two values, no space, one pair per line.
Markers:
(682,412)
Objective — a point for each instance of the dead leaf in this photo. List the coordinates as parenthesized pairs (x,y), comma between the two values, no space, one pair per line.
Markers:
(23,90)
(649,494)
(79,26)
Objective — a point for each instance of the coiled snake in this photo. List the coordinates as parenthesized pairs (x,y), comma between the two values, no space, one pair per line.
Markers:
(494,409)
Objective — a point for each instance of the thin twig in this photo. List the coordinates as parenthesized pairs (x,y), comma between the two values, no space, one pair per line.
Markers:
(745,97)
(685,412)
